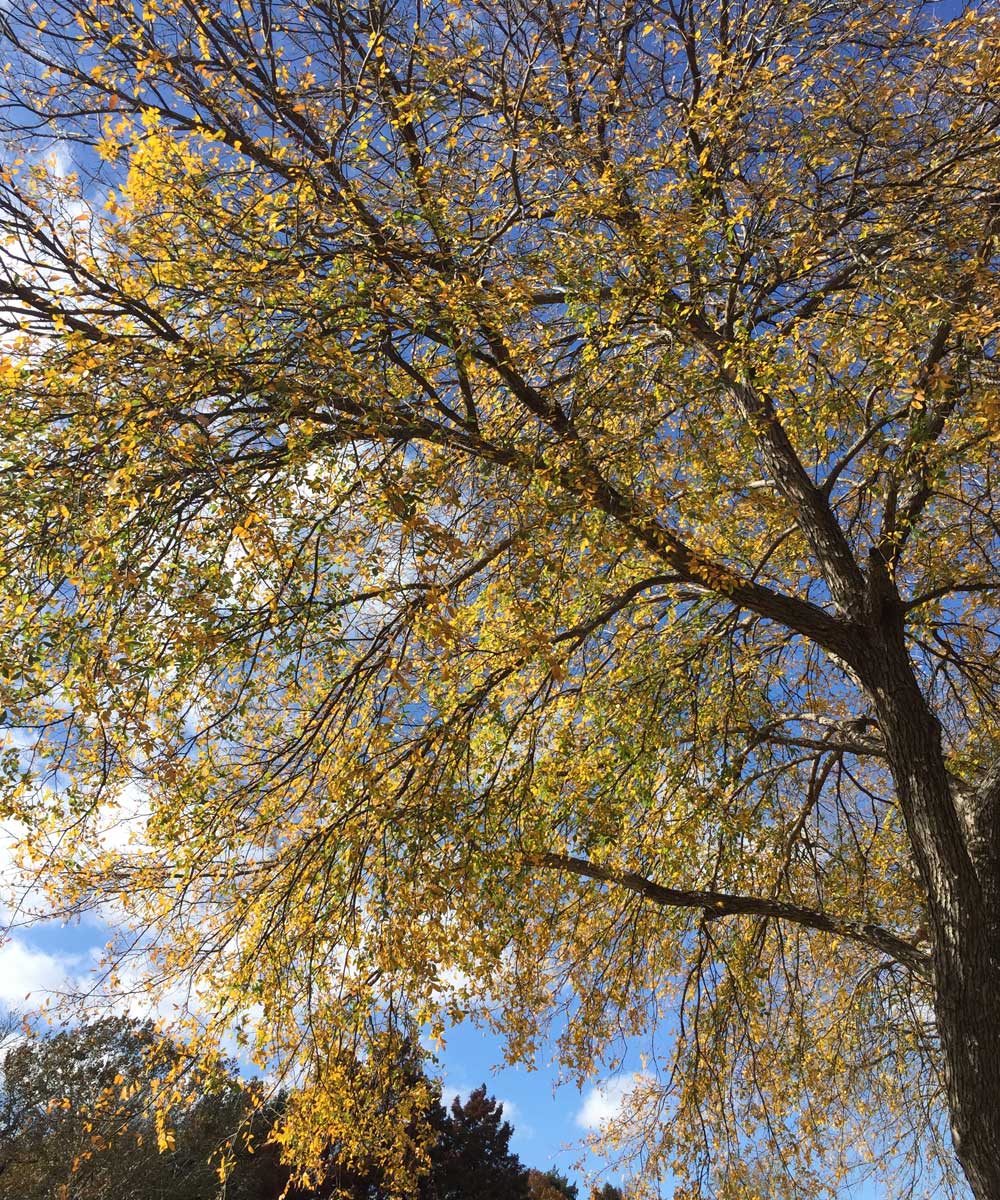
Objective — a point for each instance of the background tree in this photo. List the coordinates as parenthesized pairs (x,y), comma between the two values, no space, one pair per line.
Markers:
(472,1156)
(506,491)
(461,1152)
(550,1185)
(79,1118)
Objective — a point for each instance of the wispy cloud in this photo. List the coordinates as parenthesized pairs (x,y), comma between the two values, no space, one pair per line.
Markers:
(604,1103)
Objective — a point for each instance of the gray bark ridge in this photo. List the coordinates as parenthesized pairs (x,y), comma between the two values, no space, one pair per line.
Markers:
(953,837)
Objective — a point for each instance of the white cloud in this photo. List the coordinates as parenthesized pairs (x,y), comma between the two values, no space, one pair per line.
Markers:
(604,1103)
(21,899)
(513,1114)
(121,824)
(453,984)
(32,975)
(451,1093)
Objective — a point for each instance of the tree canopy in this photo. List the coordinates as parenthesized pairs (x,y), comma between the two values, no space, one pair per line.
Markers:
(499,501)
(551,1185)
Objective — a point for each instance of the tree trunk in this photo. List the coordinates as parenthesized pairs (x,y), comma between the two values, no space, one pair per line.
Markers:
(967,1007)
(954,844)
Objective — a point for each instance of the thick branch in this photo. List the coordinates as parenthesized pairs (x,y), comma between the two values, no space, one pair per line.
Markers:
(813,513)
(721,904)
(586,479)
(812,510)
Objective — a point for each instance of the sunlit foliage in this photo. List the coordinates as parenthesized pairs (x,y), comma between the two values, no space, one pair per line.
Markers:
(499,499)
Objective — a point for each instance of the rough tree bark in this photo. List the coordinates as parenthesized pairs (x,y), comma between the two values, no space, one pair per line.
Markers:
(953,848)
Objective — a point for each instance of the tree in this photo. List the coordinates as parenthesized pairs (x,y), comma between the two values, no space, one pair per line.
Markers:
(457,1153)
(78,1117)
(551,1185)
(472,1156)
(500,491)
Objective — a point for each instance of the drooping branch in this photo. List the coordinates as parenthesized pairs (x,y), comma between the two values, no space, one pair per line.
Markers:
(716,905)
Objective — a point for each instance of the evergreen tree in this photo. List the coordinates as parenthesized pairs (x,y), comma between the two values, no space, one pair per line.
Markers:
(472,1159)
